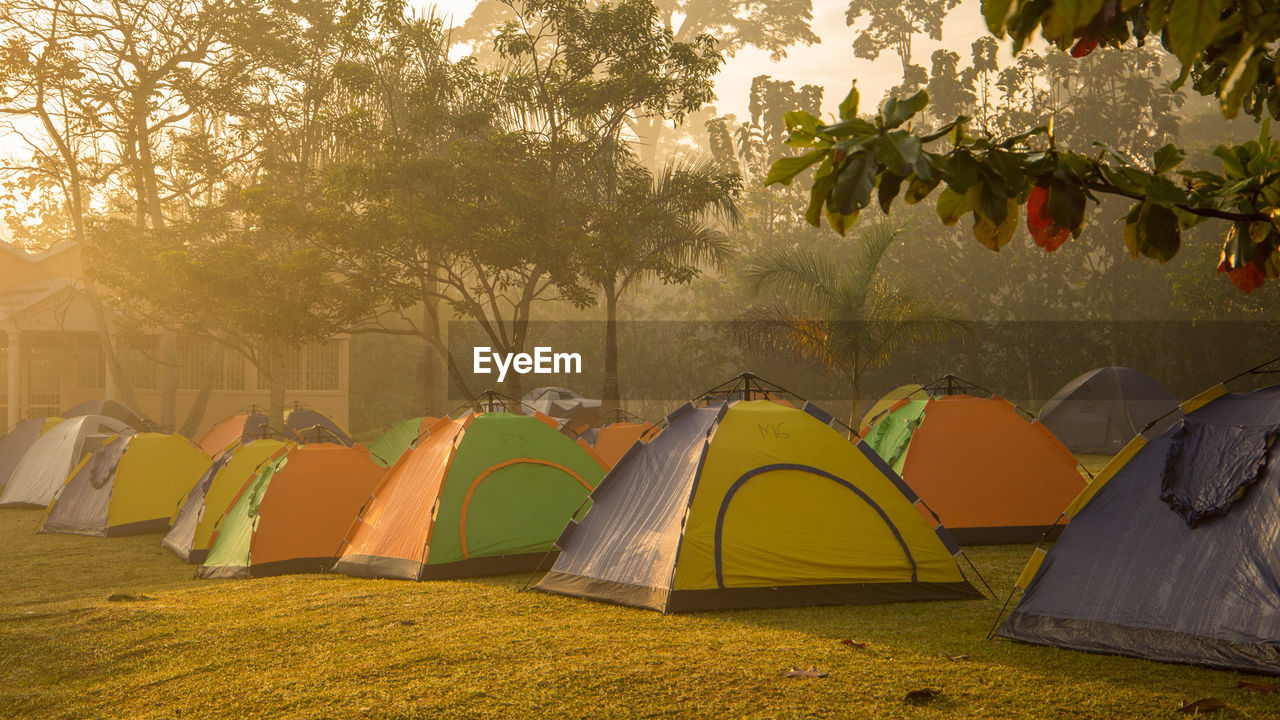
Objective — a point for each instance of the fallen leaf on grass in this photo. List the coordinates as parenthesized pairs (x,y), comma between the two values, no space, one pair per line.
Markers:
(406,623)
(1257,687)
(962,656)
(812,672)
(126,597)
(853,643)
(923,695)
(1203,705)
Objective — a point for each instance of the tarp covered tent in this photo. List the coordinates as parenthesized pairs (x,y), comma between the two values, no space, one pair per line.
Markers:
(291,517)
(1101,411)
(483,494)
(111,409)
(989,473)
(233,468)
(751,503)
(300,423)
(390,445)
(1171,551)
(130,485)
(15,443)
(47,463)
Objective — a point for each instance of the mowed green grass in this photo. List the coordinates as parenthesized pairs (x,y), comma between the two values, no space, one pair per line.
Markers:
(327,646)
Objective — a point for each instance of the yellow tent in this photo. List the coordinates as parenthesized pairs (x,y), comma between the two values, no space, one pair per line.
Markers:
(754,504)
(192,527)
(130,485)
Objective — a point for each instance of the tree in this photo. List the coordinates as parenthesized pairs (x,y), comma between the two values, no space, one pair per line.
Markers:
(1228,50)
(656,228)
(892,26)
(845,316)
(774,26)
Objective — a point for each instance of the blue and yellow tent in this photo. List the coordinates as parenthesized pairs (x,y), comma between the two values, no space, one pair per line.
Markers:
(1171,550)
(739,502)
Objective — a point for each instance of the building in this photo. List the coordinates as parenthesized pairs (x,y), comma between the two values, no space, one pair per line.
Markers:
(51,354)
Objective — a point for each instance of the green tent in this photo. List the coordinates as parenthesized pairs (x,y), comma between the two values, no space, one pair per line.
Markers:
(891,434)
(484,494)
(389,446)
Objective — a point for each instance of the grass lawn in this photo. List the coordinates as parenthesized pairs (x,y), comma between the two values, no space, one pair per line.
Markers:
(327,646)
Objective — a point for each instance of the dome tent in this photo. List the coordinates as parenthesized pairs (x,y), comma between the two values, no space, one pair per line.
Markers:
(111,409)
(45,466)
(391,444)
(291,516)
(745,502)
(128,486)
(611,440)
(192,527)
(300,422)
(1170,551)
(1101,410)
(15,443)
(991,474)
(485,493)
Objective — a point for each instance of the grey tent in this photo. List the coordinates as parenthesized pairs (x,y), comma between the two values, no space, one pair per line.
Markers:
(49,460)
(1171,551)
(565,405)
(1104,408)
(111,409)
(15,443)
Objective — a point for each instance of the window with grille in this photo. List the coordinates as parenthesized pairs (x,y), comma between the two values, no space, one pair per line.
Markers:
(43,369)
(313,366)
(198,357)
(91,368)
(139,361)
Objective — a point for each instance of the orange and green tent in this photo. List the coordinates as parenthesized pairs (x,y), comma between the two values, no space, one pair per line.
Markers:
(990,474)
(292,515)
(130,485)
(752,503)
(612,440)
(483,494)
(191,529)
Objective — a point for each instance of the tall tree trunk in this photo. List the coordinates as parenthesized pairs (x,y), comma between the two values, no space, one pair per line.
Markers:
(169,378)
(611,393)
(195,415)
(276,383)
(855,396)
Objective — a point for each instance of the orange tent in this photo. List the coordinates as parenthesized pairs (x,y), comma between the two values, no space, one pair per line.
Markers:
(613,440)
(991,475)
(292,516)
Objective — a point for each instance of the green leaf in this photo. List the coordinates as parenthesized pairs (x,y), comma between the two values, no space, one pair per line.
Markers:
(995,12)
(841,223)
(1192,25)
(1067,16)
(849,106)
(1066,206)
(1130,181)
(961,171)
(853,188)
(853,127)
(1238,84)
(784,170)
(919,189)
(995,235)
(1161,191)
(818,195)
(890,184)
(952,206)
(801,121)
(1168,158)
(897,112)
(1153,231)
(898,151)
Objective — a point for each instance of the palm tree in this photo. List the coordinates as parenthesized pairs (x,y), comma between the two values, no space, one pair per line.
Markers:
(664,227)
(843,315)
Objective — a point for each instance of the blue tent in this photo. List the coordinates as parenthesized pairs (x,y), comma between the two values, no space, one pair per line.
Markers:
(1171,551)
